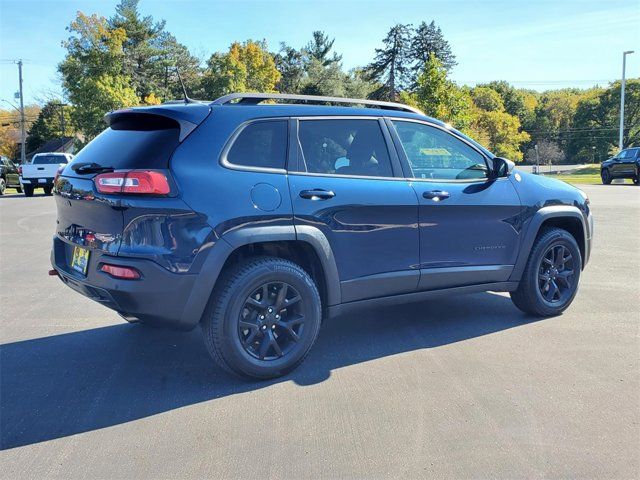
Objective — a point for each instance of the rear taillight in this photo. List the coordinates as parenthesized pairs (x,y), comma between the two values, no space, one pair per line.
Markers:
(20,170)
(126,273)
(140,182)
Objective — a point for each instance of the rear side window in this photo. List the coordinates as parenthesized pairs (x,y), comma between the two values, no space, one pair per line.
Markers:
(344,147)
(133,144)
(260,145)
(49,159)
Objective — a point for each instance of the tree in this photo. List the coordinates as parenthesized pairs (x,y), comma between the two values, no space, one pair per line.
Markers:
(319,47)
(439,97)
(53,121)
(487,99)
(426,40)
(10,132)
(323,80)
(246,67)
(520,103)
(595,133)
(91,72)
(391,65)
(291,65)
(549,152)
(151,55)
(503,133)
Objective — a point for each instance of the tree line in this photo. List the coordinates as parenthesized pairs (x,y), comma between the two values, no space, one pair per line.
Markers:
(130,59)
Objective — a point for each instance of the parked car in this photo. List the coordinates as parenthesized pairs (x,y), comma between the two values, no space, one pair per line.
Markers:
(9,177)
(257,221)
(41,170)
(625,164)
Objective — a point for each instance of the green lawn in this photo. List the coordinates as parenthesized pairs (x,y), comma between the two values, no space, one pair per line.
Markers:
(587,175)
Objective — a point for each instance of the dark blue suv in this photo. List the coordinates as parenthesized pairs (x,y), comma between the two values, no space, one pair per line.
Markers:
(257,220)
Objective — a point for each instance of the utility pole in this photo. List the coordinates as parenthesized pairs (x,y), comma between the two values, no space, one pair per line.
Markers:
(537,159)
(624,66)
(23,155)
(63,128)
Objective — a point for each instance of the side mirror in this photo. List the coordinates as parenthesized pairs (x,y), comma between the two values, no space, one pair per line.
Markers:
(502,167)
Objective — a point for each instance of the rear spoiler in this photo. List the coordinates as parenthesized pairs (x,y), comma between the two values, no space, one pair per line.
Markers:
(187,116)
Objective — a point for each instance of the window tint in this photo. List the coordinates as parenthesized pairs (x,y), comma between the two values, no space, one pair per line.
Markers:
(261,144)
(129,145)
(344,147)
(436,154)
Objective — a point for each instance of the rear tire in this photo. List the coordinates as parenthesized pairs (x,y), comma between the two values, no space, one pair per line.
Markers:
(606,177)
(28,191)
(19,189)
(47,190)
(550,279)
(263,318)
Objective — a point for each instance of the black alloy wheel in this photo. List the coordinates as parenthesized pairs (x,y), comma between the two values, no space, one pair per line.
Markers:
(556,274)
(263,317)
(271,321)
(549,282)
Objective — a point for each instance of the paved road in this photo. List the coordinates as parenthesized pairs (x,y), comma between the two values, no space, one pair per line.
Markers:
(457,388)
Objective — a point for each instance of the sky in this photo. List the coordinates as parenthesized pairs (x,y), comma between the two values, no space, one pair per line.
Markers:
(538,44)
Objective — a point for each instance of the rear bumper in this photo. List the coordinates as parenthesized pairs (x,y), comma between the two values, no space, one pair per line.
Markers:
(159,297)
(37,182)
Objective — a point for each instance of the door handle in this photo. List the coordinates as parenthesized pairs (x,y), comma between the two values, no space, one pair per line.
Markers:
(317,194)
(436,195)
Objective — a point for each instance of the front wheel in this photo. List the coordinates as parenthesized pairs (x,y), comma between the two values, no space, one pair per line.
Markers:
(550,279)
(263,318)
(606,177)
(3,186)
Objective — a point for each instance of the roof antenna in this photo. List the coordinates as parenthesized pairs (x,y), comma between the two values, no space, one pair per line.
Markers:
(184,90)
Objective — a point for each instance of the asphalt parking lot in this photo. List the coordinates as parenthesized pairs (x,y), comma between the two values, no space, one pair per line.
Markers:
(457,388)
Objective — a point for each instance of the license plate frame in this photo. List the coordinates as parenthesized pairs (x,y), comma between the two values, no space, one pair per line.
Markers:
(80,259)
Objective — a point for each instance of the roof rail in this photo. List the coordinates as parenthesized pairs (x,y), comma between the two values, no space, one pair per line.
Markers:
(256,98)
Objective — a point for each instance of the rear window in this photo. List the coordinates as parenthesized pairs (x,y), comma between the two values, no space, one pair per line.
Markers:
(260,144)
(49,159)
(129,145)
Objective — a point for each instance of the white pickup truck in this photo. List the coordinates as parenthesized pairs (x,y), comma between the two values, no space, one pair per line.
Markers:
(40,172)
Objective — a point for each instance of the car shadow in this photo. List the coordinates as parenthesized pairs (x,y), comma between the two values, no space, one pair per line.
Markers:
(61,385)
(9,196)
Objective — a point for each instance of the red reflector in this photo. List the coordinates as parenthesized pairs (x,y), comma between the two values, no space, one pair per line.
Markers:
(141,182)
(127,273)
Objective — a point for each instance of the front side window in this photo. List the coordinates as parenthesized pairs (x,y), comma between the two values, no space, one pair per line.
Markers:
(344,147)
(261,145)
(435,154)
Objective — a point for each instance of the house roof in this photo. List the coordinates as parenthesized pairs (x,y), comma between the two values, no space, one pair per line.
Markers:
(56,145)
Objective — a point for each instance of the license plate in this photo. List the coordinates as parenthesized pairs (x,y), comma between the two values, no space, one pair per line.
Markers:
(80,260)
(42,180)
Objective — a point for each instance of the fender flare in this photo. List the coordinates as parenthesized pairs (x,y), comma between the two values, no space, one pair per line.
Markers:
(545,213)
(226,245)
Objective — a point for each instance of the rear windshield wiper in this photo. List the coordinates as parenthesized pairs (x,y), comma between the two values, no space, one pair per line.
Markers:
(90,167)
